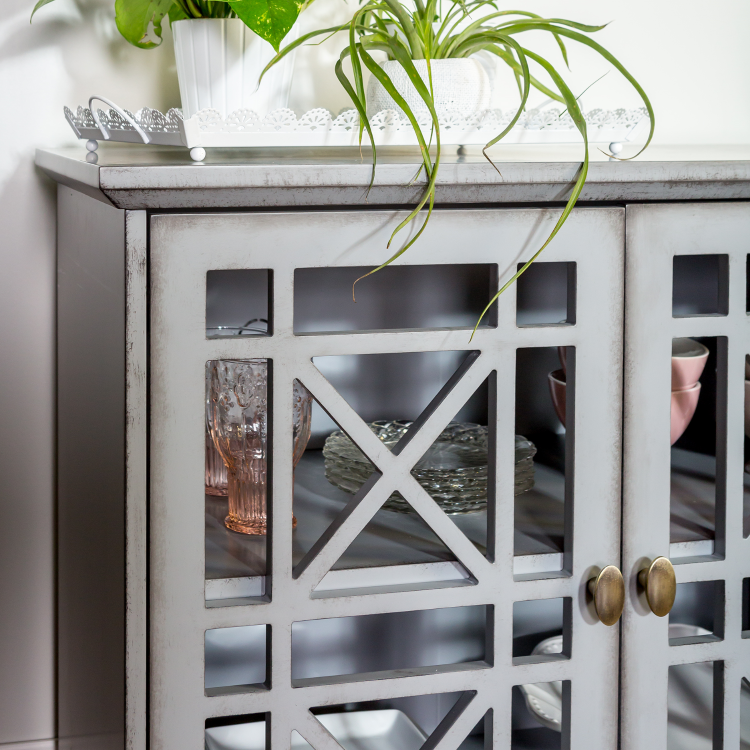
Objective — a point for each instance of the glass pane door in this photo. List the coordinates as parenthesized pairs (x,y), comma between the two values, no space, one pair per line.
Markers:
(403,543)
(685,477)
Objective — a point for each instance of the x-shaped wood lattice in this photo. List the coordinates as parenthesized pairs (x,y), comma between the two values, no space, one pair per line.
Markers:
(393,470)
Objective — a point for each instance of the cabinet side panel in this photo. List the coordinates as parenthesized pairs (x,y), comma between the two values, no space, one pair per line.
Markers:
(91,472)
(136,655)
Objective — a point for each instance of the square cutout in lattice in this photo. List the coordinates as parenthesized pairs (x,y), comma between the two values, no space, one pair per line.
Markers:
(239,302)
(546,294)
(540,716)
(237,401)
(698,404)
(247,731)
(388,645)
(697,615)
(700,285)
(544,414)
(399,297)
(541,630)
(236,659)
(690,706)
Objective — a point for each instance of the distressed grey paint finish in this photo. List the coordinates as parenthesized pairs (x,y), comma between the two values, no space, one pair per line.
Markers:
(136,472)
(183,249)
(655,234)
(337,177)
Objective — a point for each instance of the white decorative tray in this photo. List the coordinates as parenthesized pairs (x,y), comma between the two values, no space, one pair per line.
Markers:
(247,129)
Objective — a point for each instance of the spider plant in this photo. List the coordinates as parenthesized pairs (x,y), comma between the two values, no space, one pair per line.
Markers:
(269,19)
(435,30)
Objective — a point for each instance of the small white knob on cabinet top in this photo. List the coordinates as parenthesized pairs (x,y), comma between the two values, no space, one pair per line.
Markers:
(197,153)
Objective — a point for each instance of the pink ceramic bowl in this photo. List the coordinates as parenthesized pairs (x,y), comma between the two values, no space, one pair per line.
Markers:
(684,403)
(688,360)
(557,391)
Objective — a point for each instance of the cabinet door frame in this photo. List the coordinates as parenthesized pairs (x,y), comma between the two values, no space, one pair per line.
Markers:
(655,234)
(183,247)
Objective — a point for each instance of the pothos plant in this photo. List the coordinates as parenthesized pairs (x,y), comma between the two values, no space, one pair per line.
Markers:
(140,21)
(435,30)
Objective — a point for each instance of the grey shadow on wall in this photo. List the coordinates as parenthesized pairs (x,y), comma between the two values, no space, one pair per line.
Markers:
(95,25)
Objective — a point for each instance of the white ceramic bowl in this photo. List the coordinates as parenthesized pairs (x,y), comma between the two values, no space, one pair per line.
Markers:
(544,699)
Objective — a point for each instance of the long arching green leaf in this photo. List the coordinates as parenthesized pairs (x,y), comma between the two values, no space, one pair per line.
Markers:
(300,41)
(361,111)
(580,123)
(512,63)
(609,57)
(402,55)
(407,26)
(524,97)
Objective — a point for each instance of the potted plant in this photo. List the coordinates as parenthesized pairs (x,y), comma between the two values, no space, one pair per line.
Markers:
(221,47)
(429,69)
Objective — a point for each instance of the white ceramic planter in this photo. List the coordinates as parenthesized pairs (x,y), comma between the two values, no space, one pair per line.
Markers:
(460,86)
(219,61)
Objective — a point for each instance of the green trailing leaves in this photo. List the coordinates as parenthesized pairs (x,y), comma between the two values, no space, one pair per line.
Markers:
(269,19)
(430,32)
(138,19)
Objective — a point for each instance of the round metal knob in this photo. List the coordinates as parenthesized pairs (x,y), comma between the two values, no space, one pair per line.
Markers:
(660,584)
(608,590)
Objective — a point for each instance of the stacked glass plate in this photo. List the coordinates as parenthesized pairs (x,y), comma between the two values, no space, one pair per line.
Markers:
(453,471)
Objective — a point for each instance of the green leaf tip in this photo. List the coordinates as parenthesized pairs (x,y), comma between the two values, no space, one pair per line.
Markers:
(39,4)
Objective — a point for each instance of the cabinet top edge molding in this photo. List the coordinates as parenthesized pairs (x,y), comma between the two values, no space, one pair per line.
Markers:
(134,177)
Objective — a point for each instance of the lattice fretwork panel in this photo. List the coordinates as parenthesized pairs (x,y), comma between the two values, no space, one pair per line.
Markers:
(686,278)
(183,249)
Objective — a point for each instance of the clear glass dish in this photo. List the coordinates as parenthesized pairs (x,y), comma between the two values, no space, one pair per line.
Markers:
(453,470)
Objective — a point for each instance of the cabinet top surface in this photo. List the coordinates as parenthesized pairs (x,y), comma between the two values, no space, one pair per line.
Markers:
(160,177)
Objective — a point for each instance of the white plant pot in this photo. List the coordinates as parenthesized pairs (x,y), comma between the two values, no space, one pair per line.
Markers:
(219,61)
(460,85)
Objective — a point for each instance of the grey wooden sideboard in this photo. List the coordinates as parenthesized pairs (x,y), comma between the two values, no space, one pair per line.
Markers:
(174,632)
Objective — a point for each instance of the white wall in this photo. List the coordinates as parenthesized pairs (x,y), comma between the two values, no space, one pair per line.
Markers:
(694,62)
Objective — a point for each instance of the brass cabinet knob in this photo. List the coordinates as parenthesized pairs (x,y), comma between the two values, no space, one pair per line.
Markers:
(608,590)
(660,584)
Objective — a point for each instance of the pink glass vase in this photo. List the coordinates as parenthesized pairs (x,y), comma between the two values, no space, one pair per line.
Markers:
(237,416)
(216,469)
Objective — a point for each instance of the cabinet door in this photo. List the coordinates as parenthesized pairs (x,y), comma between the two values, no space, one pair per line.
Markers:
(686,272)
(455,603)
